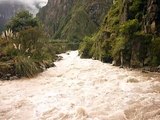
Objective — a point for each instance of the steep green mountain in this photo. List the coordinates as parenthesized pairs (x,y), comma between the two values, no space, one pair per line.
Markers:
(129,35)
(73,19)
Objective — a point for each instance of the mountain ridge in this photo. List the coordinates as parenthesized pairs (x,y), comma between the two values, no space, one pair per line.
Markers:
(73,19)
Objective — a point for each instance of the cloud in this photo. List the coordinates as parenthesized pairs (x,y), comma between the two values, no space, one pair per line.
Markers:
(29,2)
(32,5)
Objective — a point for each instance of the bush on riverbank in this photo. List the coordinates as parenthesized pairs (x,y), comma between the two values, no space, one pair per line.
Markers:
(24,48)
(85,47)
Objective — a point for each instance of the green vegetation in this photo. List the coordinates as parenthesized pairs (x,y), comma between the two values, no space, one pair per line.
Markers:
(155,51)
(78,26)
(82,18)
(129,36)
(25,66)
(85,47)
(124,37)
(24,48)
(22,20)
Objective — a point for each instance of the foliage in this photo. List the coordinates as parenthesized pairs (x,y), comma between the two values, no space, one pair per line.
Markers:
(122,36)
(23,20)
(136,5)
(27,48)
(25,66)
(82,18)
(136,8)
(118,46)
(78,26)
(129,27)
(98,50)
(112,20)
(101,48)
(155,48)
(85,47)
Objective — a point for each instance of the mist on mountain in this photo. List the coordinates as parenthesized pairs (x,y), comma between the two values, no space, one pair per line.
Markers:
(9,8)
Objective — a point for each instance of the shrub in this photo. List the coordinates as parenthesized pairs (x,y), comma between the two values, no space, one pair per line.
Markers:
(129,27)
(85,47)
(5,68)
(25,66)
(26,48)
(155,50)
(119,45)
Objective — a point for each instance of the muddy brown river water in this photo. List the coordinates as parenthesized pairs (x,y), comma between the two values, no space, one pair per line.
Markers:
(82,89)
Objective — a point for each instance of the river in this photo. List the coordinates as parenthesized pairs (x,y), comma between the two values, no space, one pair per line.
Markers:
(82,89)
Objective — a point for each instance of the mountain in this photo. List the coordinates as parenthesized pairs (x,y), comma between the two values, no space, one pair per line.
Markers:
(129,35)
(73,19)
(7,10)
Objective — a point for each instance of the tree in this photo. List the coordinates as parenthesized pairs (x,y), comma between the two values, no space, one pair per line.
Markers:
(27,49)
(23,20)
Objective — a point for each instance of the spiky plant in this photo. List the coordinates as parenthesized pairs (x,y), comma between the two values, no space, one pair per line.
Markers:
(25,66)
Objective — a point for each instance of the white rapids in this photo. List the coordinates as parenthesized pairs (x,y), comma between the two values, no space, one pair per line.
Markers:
(82,89)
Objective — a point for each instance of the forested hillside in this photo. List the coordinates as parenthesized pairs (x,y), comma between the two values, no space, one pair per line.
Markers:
(129,35)
(56,65)
(73,19)
(126,33)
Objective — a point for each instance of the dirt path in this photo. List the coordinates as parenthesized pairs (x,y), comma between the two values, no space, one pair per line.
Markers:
(82,89)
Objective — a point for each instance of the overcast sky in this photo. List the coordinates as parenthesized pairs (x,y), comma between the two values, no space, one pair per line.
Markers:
(30,3)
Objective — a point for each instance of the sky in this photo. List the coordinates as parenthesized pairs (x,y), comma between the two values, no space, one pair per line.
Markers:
(30,3)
